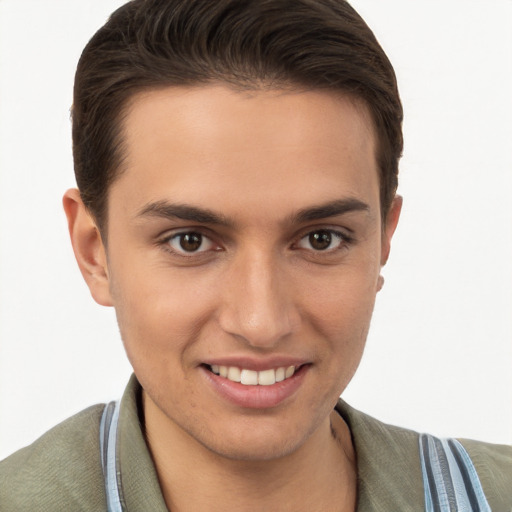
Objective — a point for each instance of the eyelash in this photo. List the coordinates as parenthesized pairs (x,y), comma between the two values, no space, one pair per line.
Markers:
(166,243)
(344,240)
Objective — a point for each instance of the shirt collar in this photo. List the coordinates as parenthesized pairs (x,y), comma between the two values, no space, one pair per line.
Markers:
(388,463)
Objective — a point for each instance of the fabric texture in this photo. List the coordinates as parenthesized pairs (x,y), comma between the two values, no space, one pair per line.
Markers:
(450,480)
(62,470)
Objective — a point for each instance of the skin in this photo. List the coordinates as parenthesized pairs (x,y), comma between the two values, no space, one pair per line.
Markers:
(256,289)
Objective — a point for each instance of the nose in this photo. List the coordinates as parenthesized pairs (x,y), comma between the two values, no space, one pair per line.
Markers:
(258,303)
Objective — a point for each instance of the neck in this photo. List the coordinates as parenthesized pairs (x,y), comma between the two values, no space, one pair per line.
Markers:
(319,476)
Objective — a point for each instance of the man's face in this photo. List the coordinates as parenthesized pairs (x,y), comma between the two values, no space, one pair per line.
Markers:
(245,233)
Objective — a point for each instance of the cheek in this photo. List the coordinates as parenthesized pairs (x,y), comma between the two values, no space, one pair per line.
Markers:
(340,312)
(159,313)
(344,327)
(342,301)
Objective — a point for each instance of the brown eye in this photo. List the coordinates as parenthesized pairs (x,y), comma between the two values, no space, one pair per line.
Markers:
(190,242)
(323,240)
(320,240)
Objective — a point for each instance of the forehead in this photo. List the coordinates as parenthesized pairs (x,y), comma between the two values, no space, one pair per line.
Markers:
(255,147)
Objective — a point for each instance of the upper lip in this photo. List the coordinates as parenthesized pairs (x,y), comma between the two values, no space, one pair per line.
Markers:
(257,364)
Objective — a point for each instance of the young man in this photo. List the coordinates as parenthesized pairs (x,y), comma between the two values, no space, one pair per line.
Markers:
(237,167)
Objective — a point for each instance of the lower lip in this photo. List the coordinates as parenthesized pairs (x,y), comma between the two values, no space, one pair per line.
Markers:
(256,397)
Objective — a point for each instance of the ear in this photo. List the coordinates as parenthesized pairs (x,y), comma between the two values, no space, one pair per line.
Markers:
(391,222)
(88,247)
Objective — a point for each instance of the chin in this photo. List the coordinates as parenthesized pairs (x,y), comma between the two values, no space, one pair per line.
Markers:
(250,449)
(255,439)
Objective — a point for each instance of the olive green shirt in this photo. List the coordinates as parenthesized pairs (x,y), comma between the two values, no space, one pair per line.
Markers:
(62,471)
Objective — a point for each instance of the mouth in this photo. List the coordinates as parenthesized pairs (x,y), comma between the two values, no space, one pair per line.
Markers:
(256,383)
(263,388)
(248,377)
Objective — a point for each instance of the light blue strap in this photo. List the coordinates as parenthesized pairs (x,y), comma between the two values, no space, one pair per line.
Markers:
(464,460)
(450,480)
(108,443)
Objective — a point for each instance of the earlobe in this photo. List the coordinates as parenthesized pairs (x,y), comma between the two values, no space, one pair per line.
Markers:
(88,247)
(391,222)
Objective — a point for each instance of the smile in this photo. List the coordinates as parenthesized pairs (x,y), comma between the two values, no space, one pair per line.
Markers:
(256,384)
(251,377)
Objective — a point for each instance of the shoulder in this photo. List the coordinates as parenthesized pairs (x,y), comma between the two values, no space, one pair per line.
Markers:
(390,455)
(495,456)
(493,464)
(59,471)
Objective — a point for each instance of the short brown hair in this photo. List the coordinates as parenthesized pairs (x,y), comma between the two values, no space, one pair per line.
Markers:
(145,44)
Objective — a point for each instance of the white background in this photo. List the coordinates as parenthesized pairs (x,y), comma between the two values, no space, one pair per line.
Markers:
(439,355)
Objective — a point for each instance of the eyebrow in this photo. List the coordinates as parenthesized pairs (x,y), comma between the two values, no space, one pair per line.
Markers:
(330,209)
(168,210)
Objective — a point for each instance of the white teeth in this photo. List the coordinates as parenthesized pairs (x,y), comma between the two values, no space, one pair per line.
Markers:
(234,374)
(251,377)
(267,377)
